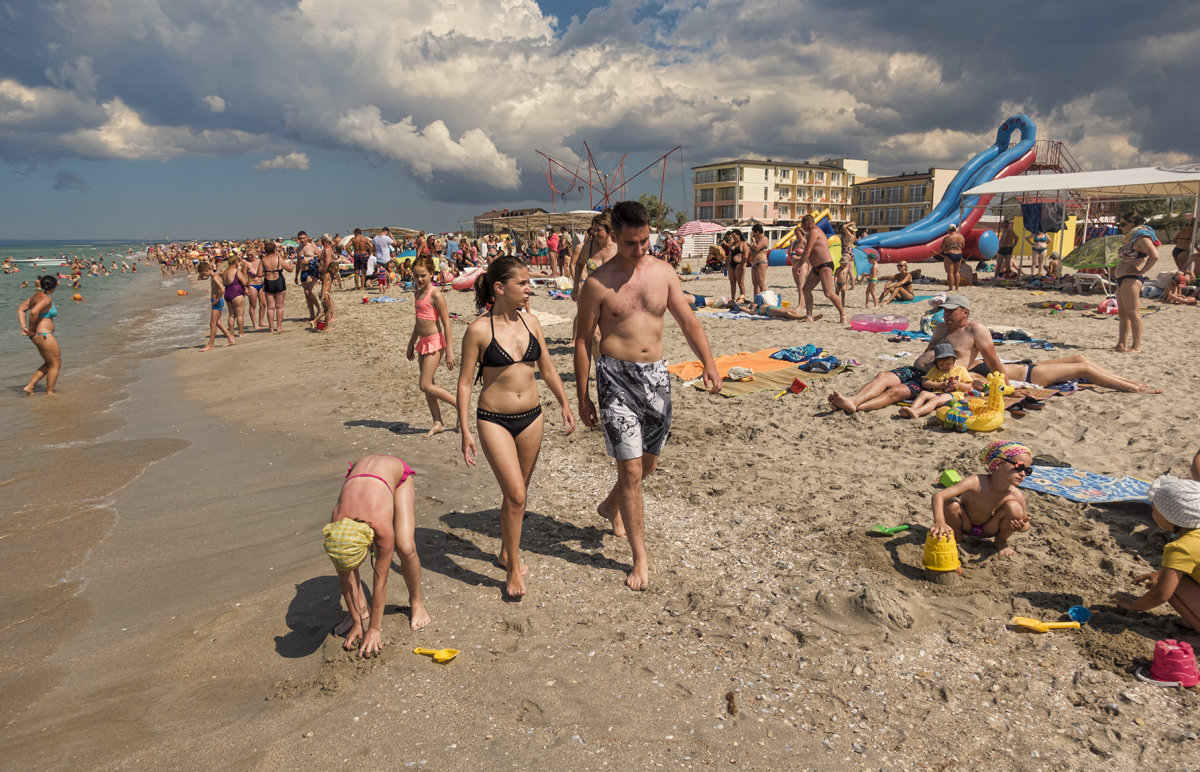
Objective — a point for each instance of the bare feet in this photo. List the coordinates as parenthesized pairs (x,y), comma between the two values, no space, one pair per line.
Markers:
(841,402)
(1006,551)
(516,585)
(418,616)
(1145,388)
(437,428)
(906,412)
(207,348)
(1120,348)
(639,577)
(613,516)
(352,635)
(502,562)
(28,390)
(812,318)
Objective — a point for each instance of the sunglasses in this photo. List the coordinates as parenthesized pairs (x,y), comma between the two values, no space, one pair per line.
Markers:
(1018,467)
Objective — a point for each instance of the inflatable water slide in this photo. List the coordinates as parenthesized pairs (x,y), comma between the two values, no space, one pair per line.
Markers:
(923,239)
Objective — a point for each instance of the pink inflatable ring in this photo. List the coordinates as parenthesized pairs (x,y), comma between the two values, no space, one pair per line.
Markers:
(878,322)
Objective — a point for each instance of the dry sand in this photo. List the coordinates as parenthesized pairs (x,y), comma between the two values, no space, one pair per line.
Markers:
(777,633)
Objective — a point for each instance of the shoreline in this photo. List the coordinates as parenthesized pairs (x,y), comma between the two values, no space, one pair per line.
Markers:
(764,586)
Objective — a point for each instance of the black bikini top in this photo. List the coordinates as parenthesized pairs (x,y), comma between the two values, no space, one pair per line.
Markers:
(495,355)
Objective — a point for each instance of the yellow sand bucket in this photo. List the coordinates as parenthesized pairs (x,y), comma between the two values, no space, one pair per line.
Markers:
(941,554)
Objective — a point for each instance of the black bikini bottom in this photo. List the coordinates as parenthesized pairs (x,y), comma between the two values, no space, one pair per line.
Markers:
(515,423)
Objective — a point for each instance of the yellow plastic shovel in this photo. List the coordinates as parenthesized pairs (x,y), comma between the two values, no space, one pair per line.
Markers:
(1042,627)
(442,655)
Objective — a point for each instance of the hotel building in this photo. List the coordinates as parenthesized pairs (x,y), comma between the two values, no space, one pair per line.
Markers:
(773,192)
(890,203)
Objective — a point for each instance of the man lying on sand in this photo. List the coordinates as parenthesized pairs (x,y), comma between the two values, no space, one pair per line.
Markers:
(987,505)
(974,348)
(775,312)
(375,509)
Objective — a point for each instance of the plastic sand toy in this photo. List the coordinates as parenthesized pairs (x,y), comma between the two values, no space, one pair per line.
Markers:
(941,560)
(891,530)
(1042,627)
(1174,664)
(439,655)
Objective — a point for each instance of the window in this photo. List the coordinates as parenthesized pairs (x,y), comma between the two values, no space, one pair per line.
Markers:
(704,212)
(739,211)
(895,194)
(914,213)
(707,175)
(765,196)
(705,194)
(726,175)
(917,191)
(894,215)
(741,174)
(819,176)
(727,193)
(837,178)
(725,212)
(764,210)
(784,174)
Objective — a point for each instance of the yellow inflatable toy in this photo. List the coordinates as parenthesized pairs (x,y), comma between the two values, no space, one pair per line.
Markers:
(977,414)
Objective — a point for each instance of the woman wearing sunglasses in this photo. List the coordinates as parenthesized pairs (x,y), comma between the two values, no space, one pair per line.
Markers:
(988,505)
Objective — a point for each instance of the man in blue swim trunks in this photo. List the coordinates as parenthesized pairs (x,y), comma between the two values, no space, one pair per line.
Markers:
(627,298)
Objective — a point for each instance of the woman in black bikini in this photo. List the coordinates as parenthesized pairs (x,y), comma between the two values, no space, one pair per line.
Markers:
(1138,256)
(509,414)
(737,266)
(274,285)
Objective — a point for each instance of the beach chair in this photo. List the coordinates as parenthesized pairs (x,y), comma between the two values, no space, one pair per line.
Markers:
(1086,282)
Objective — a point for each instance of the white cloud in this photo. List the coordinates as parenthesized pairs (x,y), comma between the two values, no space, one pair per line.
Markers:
(290,162)
(465,91)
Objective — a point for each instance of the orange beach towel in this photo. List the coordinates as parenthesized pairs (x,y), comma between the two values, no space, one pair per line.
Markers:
(759,362)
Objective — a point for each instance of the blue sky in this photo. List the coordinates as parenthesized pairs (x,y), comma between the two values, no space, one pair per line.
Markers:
(233,118)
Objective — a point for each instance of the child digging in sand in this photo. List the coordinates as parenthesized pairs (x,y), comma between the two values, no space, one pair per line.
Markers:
(987,505)
(1176,508)
(943,379)
(374,513)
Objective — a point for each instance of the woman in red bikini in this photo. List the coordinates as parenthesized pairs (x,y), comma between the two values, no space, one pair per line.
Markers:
(429,337)
(509,415)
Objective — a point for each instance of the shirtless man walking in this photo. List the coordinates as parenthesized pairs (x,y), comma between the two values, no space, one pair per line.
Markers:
(360,248)
(816,253)
(627,298)
(952,254)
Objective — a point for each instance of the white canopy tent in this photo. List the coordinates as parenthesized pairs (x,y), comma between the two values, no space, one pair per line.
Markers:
(1144,182)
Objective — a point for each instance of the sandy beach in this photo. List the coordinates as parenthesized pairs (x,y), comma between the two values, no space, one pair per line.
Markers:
(777,632)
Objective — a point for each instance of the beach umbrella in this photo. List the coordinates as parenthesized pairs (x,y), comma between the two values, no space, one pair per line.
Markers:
(1097,253)
(346,239)
(699,226)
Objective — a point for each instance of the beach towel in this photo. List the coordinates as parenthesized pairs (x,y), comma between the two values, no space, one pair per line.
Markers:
(797,353)
(387,299)
(1087,487)
(731,315)
(758,361)
(776,380)
(916,299)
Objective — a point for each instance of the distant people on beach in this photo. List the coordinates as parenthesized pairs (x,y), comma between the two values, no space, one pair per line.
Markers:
(275,267)
(816,254)
(1039,244)
(899,286)
(368,520)
(508,416)
(1008,241)
(1137,256)
(736,267)
(430,334)
(872,280)
(216,300)
(952,255)
(1181,251)
(758,249)
(990,505)
(36,316)
(626,298)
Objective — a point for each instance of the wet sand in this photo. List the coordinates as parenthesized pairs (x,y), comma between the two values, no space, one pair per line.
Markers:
(776,634)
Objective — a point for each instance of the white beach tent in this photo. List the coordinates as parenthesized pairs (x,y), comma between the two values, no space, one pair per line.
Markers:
(1143,182)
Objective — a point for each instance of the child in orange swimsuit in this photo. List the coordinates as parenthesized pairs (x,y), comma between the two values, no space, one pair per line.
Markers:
(374,515)
(987,505)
